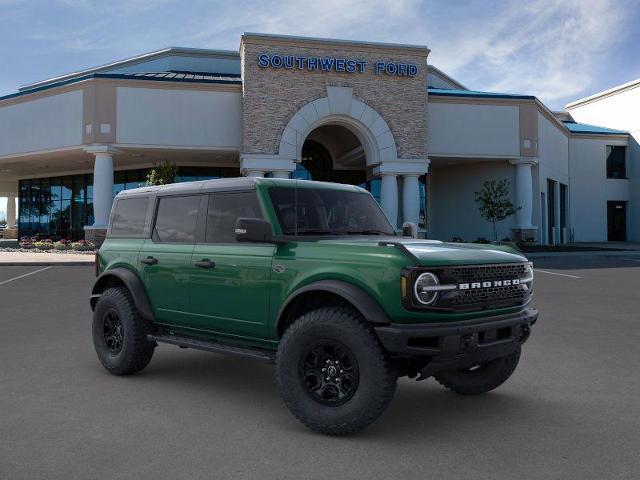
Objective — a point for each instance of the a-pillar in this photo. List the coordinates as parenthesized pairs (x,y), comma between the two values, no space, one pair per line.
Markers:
(524,229)
(102,192)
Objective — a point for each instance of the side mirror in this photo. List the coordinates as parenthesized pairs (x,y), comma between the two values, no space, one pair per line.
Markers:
(410,229)
(254,230)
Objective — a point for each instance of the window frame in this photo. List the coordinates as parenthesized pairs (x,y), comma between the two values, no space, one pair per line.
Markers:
(625,159)
(204,217)
(198,230)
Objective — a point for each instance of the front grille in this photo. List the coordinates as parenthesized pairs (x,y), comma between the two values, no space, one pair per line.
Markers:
(479,273)
(481,298)
(509,294)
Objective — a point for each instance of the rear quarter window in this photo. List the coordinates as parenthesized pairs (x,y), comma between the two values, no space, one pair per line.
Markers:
(176,219)
(129,216)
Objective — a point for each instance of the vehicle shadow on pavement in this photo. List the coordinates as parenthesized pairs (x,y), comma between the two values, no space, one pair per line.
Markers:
(423,410)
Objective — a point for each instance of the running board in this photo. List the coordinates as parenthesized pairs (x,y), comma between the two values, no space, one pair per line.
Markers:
(197,344)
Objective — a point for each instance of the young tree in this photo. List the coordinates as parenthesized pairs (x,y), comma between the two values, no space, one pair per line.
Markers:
(162,174)
(494,203)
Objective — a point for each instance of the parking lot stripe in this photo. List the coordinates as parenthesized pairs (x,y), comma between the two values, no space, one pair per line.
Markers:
(25,275)
(555,273)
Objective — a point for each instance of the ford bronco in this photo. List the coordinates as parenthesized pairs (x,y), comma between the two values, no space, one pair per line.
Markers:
(312,277)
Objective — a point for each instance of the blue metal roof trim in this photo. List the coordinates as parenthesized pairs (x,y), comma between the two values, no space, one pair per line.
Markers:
(444,92)
(585,128)
(227,79)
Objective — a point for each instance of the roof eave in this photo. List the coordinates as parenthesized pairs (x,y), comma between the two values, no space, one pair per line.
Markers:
(130,61)
(603,94)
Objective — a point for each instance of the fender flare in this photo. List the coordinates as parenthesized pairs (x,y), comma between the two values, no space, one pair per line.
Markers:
(132,282)
(361,300)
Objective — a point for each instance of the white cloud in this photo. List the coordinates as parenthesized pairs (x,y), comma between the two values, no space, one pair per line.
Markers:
(544,47)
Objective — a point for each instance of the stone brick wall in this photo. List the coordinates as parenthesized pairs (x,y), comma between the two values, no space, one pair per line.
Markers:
(271,96)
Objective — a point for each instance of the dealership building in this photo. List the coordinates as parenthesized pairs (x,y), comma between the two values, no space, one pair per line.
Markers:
(370,114)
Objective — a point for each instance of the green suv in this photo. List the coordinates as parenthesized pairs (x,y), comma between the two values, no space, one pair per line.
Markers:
(310,276)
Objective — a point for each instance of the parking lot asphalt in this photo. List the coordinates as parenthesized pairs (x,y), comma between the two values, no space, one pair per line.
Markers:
(571,410)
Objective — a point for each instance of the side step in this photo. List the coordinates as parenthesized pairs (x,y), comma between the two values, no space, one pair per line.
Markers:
(188,342)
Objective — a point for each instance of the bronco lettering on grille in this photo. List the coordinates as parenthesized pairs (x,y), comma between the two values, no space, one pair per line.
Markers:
(490,284)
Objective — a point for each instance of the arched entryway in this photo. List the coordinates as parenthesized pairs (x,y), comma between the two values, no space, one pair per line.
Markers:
(334,153)
(341,139)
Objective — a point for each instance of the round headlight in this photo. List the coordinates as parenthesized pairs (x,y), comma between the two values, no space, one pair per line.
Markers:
(422,288)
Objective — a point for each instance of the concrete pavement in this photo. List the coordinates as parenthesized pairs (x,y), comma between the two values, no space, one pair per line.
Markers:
(570,411)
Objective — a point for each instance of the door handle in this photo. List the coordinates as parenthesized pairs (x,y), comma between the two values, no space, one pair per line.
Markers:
(205,263)
(149,261)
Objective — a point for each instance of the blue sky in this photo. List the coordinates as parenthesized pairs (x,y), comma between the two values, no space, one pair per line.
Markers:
(557,50)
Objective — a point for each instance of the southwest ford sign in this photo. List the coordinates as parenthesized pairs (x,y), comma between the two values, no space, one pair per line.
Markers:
(334,64)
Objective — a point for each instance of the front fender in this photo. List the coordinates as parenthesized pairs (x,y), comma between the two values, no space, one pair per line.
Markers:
(361,300)
(133,284)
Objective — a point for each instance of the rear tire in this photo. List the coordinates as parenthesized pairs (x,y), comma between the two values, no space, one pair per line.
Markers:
(120,333)
(481,379)
(358,380)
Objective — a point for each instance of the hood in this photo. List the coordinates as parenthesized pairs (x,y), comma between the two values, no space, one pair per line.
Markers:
(436,253)
(430,252)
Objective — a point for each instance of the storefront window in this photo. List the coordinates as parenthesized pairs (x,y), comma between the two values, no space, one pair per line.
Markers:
(60,207)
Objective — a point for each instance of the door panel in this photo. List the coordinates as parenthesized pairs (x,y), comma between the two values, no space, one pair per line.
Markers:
(167,281)
(229,280)
(232,296)
(165,259)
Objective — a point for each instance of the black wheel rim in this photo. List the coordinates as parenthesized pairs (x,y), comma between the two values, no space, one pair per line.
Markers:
(113,332)
(330,373)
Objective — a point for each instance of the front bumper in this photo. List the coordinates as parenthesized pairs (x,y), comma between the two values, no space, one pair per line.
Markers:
(451,345)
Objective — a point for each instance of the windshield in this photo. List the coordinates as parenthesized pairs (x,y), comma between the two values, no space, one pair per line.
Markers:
(328,212)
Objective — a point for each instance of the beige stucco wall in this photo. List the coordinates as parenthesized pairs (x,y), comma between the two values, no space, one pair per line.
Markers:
(50,122)
(454,211)
(272,96)
(178,117)
(473,129)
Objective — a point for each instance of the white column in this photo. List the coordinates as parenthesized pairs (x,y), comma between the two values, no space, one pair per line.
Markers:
(389,197)
(524,193)
(411,198)
(255,173)
(102,188)
(11,212)
(280,174)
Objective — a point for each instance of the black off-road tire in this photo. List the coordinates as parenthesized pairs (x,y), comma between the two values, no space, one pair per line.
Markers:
(481,379)
(370,393)
(135,350)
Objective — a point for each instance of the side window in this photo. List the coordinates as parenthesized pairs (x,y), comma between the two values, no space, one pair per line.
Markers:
(128,217)
(616,167)
(224,210)
(176,219)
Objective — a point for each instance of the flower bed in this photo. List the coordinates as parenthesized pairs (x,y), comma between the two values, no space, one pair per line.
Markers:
(39,245)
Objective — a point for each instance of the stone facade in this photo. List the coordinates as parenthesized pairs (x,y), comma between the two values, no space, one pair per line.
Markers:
(272,96)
